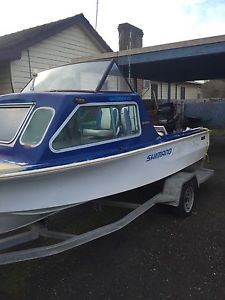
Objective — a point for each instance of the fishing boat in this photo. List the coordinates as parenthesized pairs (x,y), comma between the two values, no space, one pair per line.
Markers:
(77,133)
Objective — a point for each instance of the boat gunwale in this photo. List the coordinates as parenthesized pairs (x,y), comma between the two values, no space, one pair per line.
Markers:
(75,165)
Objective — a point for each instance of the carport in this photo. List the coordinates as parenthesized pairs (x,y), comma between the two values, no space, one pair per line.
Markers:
(197,59)
(188,60)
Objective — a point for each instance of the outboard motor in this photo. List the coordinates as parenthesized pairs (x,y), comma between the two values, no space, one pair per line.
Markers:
(167,116)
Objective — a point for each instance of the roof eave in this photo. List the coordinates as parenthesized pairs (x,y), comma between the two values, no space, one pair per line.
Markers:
(10,54)
(13,52)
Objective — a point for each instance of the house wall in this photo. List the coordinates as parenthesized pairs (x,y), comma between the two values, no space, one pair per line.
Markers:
(5,83)
(192,91)
(55,51)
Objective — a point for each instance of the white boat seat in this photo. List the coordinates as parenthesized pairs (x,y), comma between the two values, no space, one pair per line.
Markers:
(98,132)
(106,124)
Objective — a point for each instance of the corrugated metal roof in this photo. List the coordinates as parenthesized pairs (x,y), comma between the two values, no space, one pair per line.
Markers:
(11,45)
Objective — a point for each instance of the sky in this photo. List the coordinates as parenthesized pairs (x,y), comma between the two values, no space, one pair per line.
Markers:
(162,21)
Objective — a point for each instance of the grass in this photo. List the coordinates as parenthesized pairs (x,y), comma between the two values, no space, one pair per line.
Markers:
(217,132)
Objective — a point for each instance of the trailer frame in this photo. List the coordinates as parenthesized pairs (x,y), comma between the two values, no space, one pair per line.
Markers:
(170,195)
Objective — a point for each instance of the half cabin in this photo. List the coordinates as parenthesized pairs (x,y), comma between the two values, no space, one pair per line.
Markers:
(77,133)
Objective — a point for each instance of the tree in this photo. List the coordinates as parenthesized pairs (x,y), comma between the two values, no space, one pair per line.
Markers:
(214,89)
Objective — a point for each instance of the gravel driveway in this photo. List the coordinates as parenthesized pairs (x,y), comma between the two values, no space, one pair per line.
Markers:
(158,256)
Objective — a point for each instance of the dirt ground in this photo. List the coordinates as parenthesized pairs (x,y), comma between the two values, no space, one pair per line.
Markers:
(158,256)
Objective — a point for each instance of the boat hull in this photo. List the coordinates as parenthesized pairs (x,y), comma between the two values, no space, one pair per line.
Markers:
(26,199)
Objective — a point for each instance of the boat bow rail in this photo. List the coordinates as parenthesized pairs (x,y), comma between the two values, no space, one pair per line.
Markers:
(171,195)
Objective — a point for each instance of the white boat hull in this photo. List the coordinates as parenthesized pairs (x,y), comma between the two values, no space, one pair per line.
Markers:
(26,199)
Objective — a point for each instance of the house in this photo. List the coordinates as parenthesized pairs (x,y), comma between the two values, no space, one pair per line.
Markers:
(35,49)
(187,90)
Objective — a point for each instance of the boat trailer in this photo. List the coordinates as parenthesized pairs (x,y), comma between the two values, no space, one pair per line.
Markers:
(178,191)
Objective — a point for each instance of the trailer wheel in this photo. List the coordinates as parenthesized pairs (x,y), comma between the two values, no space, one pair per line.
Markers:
(187,198)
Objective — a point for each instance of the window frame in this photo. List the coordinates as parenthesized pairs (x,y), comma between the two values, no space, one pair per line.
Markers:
(112,140)
(29,105)
(106,74)
(46,130)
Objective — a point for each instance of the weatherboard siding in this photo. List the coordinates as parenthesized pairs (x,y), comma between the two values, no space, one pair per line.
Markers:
(5,83)
(193,92)
(164,91)
(55,51)
(20,71)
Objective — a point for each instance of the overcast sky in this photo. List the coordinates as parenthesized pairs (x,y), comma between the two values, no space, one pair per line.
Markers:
(162,21)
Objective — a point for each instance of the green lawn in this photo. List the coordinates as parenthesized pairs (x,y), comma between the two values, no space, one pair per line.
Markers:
(217,132)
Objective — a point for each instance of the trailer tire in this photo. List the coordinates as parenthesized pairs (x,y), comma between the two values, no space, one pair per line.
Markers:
(187,199)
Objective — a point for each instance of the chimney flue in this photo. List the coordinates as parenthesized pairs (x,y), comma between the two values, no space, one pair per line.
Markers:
(129,36)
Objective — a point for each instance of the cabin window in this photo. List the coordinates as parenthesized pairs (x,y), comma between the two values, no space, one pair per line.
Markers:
(11,119)
(182,93)
(37,127)
(95,124)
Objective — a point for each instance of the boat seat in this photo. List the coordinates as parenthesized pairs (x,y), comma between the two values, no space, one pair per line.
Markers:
(106,124)
(126,121)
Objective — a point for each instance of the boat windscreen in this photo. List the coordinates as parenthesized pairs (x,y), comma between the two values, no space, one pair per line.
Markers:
(87,76)
(77,77)
(115,81)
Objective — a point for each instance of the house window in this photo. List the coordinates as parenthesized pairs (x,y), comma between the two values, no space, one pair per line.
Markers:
(93,124)
(182,92)
(146,84)
(37,127)
(154,91)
